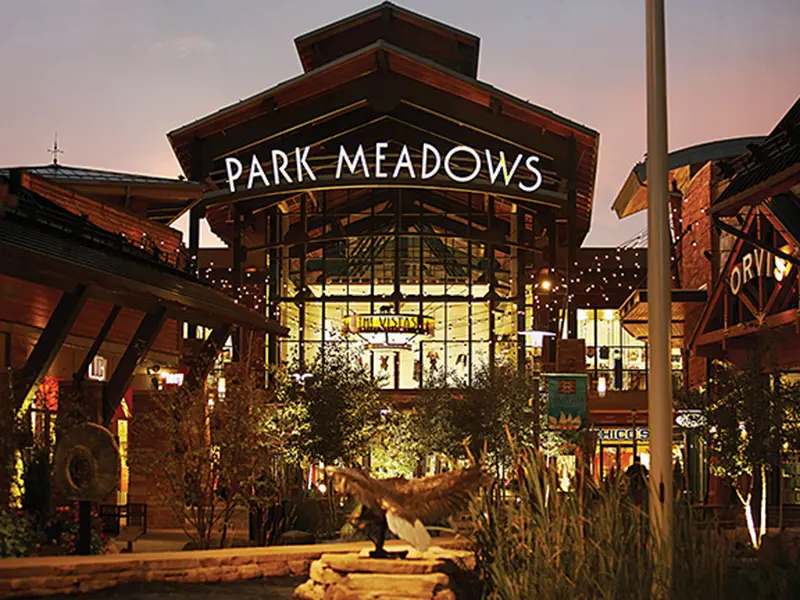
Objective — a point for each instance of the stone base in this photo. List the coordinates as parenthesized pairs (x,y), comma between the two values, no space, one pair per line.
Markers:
(356,576)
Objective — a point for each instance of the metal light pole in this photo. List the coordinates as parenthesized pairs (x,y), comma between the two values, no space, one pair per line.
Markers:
(659,282)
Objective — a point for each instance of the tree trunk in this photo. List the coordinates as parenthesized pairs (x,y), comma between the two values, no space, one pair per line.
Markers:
(748,515)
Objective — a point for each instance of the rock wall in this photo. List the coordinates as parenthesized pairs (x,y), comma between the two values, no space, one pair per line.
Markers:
(76,574)
(355,576)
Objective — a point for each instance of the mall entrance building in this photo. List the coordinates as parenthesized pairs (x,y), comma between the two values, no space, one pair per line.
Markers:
(388,200)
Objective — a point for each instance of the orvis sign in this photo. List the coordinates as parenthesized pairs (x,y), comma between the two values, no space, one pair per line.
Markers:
(460,164)
(758,263)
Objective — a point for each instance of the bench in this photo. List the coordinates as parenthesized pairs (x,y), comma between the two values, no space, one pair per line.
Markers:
(129,535)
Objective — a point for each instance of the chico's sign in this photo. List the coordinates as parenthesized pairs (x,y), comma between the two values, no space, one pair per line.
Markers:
(758,263)
(460,164)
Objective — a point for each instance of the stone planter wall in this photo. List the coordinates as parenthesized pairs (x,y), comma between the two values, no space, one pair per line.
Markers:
(76,574)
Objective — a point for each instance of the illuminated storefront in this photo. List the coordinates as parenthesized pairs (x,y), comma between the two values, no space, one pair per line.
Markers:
(390,202)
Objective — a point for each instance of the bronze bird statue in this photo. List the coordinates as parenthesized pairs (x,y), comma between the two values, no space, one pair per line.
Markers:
(401,505)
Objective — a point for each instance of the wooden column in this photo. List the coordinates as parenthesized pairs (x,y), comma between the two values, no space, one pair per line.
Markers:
(572,240)
(195,214)
(273,350)
(489,253)
(398,222)
(552,258)
(48,345)
(236,277)
(519,277)
(301,334)
(326,227)
(469,288)
(137,350)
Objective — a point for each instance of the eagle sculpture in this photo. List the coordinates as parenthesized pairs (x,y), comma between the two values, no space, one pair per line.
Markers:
(401,505)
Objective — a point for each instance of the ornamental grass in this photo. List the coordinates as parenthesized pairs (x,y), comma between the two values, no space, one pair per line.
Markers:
(535,541)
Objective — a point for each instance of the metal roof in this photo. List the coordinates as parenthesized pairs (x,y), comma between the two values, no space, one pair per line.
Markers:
(764,162)
(58,172)
(697,154)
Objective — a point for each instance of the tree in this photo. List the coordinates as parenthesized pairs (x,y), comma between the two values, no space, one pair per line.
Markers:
(335,405)
(751,414)
(207,461)
(450,413)
(395,451)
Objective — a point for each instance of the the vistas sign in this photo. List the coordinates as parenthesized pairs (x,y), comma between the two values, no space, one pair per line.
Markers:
(460,164)
(384,323)
(758,263)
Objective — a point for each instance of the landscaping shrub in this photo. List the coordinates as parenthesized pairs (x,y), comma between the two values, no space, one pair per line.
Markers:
(18,535)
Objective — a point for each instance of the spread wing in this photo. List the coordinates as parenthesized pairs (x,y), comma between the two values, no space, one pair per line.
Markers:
(406,503)
(437,497)
(376,494)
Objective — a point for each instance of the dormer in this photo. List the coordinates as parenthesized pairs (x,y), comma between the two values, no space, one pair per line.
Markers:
(449,47)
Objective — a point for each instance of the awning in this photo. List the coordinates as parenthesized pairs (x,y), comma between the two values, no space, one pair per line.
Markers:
(634,313)
(632,198)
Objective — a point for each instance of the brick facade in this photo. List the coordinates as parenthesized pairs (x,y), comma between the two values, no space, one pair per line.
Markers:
(695,265)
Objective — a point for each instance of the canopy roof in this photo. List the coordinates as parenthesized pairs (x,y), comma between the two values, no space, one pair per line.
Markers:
(632,198)
(43,243)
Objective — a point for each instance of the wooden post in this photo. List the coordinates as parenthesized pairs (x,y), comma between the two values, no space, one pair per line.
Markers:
(137,350)
(572,240)
(195,214)
(236,277)
(48,345)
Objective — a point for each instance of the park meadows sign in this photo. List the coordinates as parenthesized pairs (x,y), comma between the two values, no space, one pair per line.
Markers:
(460,164)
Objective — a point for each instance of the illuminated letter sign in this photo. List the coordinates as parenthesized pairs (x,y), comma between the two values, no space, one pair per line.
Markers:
(389,324)
(623,434)
(758,263)
(97,369)
(460,164)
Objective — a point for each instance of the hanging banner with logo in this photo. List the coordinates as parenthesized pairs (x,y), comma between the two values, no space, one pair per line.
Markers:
(566,401)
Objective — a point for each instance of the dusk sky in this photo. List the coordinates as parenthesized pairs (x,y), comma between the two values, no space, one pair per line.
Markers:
(112,77)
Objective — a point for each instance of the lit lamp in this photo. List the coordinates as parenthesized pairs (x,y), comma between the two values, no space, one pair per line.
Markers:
(545,280)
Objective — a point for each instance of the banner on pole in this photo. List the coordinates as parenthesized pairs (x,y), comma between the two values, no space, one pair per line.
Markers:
(566,400)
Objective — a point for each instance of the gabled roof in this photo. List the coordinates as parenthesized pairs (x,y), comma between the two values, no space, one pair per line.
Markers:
(769,167)
(452,48)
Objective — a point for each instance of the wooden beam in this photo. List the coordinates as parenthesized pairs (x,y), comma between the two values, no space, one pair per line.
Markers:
(269,126)
(98,342)
(136,351)
(742,235)
(48,345)
(201,364)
